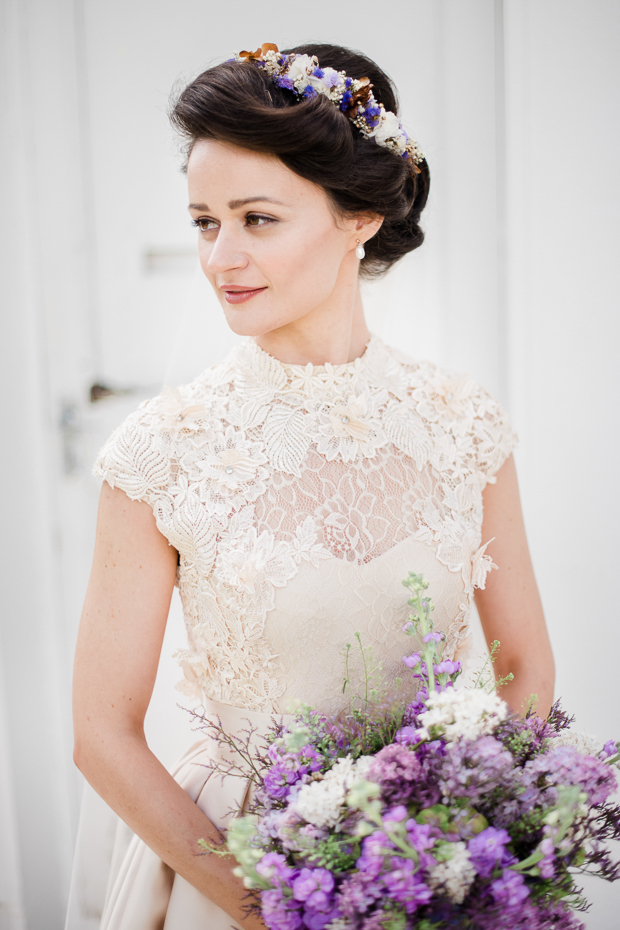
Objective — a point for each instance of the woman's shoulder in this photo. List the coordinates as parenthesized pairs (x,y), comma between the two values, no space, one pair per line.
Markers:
(140,454)
(455,404)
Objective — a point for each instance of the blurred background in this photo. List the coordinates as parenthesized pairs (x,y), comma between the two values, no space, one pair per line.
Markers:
(514,102)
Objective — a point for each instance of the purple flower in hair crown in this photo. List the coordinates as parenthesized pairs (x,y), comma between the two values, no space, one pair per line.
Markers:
(303,75)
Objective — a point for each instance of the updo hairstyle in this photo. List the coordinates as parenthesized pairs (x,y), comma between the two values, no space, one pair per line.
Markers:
(237,102)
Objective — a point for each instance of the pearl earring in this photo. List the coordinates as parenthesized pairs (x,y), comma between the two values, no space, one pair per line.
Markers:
(360,251)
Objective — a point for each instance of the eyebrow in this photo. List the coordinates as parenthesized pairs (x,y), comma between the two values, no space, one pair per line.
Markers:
(235,204)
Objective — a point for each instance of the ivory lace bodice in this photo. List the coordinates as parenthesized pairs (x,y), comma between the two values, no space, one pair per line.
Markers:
(298,499)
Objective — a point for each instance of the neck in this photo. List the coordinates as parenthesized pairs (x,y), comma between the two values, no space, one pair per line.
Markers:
(334,331)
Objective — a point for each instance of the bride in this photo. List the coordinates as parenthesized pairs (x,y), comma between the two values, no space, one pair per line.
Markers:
(288,490)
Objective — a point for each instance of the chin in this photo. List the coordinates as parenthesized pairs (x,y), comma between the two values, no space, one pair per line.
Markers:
(253,323)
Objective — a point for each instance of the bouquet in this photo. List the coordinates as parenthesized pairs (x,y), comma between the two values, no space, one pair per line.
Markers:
(445,812)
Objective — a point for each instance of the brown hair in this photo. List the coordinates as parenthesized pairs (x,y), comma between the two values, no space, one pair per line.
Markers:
(239,103)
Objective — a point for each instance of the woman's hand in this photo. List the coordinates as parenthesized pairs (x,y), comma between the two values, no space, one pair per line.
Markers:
(117,654)
(509,606)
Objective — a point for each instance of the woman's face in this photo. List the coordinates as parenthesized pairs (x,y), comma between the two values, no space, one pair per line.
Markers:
(269,243)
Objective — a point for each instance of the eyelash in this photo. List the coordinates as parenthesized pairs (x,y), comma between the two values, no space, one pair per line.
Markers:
(266,220)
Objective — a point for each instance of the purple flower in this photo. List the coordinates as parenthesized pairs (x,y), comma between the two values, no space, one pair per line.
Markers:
(288,768)
(396,814)
(446,667)
(565,765)
(407,736)
(510,890)
(411,661)
(487,850)
(284,82)
(609,749)
(372,114)
(406,885)
(397,770)
(313,886)
(331,80)
(358,893)
(475,769)
(280,912)
(374,850)
(422,839)
(547,865)
(434,637)
(317,920)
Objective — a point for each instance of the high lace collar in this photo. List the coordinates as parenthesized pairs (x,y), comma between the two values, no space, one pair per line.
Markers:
(375,368)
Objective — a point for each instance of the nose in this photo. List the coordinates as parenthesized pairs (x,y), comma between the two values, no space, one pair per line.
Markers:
(225,253)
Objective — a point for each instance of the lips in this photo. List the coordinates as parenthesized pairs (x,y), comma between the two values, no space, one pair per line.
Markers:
(237,294)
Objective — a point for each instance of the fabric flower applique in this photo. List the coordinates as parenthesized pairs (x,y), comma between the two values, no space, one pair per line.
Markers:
(347,428)
(305,381)
(481,565)
(453,393)
(232,463)
(439,395)
(176,414)
(253,559)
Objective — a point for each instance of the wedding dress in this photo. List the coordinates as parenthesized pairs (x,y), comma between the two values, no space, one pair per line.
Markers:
(298,499)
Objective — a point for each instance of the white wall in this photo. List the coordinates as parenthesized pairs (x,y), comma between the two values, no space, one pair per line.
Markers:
(515,105)
(563,234)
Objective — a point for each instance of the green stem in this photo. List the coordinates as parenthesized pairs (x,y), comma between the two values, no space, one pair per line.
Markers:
(528,863)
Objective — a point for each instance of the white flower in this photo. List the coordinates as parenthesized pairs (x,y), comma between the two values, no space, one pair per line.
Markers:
(388,128)
(583,742)
(298,71)
(455,875)
(463,714)
(320,802)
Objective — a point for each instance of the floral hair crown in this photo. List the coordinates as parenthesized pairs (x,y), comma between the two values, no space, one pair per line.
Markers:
(302,75)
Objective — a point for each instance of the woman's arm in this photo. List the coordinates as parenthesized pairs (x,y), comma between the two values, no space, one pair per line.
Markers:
(118,649)
(509,606)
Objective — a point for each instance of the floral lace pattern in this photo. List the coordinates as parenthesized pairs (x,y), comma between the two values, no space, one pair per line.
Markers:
(257,468)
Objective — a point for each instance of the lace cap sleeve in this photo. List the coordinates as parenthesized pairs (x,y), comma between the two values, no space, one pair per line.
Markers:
(134,458)
(493,433)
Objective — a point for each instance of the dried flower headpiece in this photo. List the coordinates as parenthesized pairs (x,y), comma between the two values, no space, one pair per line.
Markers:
(302,75)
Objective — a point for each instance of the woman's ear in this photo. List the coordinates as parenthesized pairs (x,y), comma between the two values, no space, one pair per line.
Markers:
(367,225)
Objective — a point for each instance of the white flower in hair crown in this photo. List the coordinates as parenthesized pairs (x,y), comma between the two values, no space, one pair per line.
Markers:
(303,75)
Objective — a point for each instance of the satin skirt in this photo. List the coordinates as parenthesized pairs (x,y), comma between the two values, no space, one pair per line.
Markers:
(146,894)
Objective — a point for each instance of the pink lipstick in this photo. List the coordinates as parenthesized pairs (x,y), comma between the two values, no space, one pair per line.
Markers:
(236,294)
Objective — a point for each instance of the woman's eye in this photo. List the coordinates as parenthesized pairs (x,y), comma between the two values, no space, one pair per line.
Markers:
(204,223)
(253,219)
